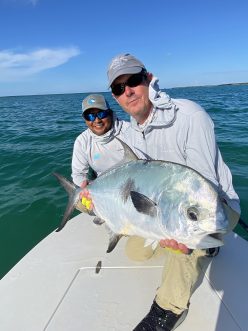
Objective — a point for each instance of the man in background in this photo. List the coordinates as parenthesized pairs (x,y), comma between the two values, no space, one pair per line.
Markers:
(95,148)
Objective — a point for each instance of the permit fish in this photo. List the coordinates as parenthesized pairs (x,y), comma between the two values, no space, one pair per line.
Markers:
(155,200)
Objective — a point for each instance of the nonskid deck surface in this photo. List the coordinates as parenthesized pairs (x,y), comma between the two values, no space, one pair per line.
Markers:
(56,286)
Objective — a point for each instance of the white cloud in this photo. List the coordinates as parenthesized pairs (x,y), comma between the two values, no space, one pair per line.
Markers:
(14,66)
(20,2)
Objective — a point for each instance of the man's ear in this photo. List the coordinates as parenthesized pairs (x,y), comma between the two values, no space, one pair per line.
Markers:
(149,77)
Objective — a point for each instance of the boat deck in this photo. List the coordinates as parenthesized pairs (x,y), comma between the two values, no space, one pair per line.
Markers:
(56,286)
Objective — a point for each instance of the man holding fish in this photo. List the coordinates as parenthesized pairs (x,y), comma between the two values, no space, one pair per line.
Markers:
(181,132)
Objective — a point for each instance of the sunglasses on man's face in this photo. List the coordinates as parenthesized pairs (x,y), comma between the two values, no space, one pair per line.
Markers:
(133,81)
(100,115)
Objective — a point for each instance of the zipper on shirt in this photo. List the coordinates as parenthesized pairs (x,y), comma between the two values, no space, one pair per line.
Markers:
(144,141)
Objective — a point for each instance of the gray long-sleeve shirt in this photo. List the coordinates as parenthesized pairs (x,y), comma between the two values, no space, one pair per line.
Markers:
(184,133)
(98,152)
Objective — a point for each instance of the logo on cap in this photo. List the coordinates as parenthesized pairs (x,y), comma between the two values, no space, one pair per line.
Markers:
(118,62)
(91,101)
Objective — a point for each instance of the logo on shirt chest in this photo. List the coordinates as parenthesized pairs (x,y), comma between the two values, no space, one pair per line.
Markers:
(96,156)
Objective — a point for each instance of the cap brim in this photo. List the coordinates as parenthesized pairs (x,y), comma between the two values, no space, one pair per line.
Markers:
(95,106)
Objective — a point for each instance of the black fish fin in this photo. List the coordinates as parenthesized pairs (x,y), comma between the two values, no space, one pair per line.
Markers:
(68,186)
(69,210)
(143,204)
(98,221)
(113,239)
(129,154)
(72,203)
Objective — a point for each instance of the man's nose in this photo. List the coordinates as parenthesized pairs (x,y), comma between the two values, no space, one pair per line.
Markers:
(97,119)
(128,90)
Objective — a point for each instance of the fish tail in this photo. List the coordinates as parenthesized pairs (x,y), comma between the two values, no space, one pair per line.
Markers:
(71,190)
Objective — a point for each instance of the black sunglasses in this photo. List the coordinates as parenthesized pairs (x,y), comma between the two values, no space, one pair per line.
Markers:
(100,115)
(133,81)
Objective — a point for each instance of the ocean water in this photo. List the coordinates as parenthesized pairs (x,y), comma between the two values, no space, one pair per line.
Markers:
(37,136)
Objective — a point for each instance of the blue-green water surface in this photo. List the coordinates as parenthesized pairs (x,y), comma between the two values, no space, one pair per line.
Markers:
(37,136)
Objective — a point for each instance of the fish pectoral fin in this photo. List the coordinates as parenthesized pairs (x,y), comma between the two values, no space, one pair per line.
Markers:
(98,221)
(143,204)
(113,239)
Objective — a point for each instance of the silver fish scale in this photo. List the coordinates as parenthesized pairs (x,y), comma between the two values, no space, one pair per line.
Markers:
(172,187)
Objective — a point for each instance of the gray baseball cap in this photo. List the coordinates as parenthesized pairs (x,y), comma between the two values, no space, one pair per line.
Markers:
(123,64)
(95,101)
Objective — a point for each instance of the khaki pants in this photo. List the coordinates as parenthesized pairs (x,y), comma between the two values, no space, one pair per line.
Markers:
(181,272)
(179,277)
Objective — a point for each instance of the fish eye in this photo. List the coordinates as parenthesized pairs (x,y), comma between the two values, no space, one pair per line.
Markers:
(192,214)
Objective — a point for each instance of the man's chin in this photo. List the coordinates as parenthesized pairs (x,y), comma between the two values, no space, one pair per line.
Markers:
(99,132)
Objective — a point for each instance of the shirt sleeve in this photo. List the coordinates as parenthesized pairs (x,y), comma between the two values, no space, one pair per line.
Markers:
(201,148)
(80,164)
(204,156)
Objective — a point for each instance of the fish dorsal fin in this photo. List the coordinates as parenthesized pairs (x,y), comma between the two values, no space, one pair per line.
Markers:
(129,154)
(113,239)
(143,204)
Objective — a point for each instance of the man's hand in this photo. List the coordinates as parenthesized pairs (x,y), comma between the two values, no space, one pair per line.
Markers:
(85,196)
(174,245)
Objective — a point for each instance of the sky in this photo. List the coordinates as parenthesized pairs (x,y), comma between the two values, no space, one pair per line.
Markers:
(65,46)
